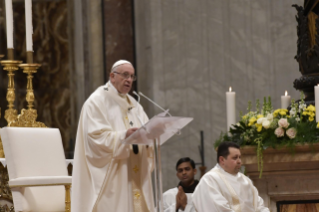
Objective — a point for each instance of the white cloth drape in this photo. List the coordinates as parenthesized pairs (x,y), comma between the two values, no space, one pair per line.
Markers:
(212,193)
(101,170)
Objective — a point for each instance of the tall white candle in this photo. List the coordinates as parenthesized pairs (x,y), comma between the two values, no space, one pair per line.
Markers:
(9,22)
(28,23)
(317,102)
(230,108)
(285,101)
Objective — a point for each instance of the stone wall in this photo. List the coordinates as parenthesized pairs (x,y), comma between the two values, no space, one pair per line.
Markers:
(190,52)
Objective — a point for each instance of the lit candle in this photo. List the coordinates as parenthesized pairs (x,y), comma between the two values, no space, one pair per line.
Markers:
(285,101)
(9,22)
(28,23)
(231,108)
(317,102)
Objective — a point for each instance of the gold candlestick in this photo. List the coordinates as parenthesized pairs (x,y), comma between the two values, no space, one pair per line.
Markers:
(28,117)
(10,66)
(30,69)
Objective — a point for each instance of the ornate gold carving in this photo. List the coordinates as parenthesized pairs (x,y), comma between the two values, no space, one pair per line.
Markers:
(1,149)
(6,208)
(10,66)
(5,192)
(30,69)
(28,117)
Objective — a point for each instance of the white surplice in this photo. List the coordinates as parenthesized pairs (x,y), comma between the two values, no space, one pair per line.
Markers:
(169,201)
(103,171)
(220,191)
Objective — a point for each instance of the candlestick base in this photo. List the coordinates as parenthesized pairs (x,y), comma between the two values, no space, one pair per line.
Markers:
(27,118)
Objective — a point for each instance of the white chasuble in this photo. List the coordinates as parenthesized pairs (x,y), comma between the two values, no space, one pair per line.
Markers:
(219,191)
(108,175)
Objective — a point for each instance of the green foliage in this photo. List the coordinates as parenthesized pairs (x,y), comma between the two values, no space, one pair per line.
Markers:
(267,128)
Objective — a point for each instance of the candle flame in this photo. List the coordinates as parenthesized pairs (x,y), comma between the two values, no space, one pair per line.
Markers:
(286,93)
(229,89)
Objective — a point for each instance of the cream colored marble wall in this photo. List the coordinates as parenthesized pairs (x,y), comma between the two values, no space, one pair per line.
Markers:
(190,51)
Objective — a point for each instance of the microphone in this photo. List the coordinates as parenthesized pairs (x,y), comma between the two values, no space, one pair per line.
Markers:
(138,117)
(138,96)
(154,103)
(158,106)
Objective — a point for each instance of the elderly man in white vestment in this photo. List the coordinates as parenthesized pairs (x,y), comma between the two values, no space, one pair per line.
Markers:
(108,175)
(224,188)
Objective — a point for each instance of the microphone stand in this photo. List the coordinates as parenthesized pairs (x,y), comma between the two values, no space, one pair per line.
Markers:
(157,161)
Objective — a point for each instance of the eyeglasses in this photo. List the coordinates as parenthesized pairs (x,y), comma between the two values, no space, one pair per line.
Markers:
(126,75)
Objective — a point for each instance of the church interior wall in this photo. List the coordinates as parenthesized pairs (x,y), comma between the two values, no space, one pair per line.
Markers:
(190,52)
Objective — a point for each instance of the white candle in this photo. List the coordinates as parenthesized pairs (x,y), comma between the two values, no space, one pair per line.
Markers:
(285,101)
(317,102)
(28,23)
(9,22)
(231,108)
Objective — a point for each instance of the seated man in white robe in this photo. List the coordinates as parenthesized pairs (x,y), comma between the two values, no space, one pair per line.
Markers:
(224,188)
(107,174)
(180,198)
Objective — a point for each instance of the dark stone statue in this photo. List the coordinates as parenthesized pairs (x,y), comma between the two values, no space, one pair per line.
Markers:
(307,48)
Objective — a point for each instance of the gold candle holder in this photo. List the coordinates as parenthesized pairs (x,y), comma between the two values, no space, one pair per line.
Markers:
(28,117)
(30,69)
(10,66)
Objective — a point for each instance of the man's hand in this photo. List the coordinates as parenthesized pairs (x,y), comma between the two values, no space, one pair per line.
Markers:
(178,203)
(181,199)
(130,131)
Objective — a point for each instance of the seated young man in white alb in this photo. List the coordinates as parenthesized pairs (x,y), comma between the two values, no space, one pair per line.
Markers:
(180,198)
(224,188)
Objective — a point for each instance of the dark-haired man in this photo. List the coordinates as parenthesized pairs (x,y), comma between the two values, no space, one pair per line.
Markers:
(224,188)
(179,198)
